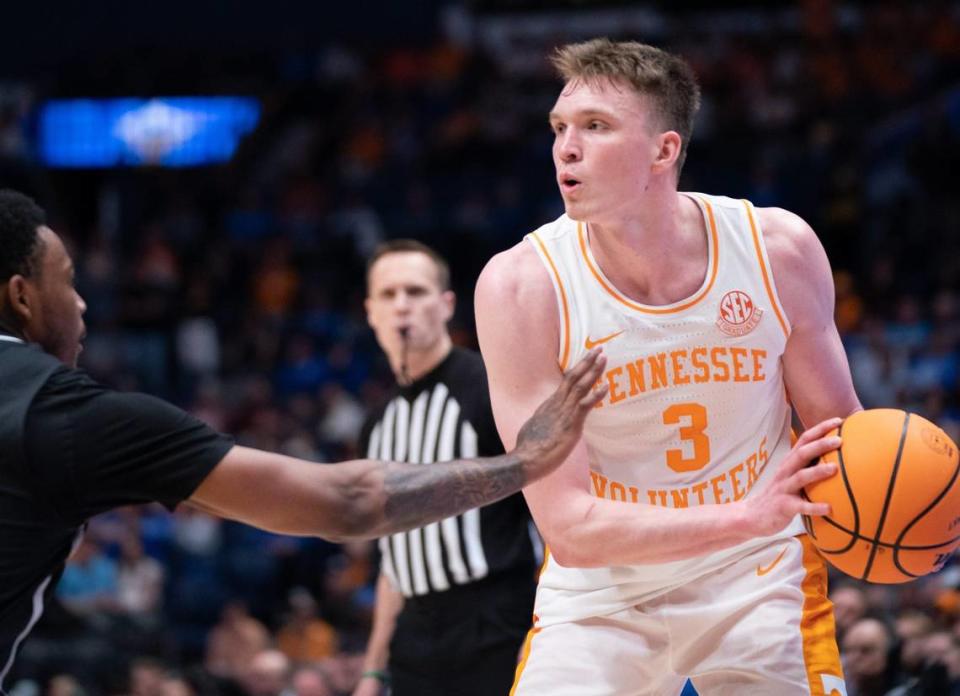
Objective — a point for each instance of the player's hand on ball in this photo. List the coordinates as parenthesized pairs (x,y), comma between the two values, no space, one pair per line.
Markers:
(550,434)
(782,500)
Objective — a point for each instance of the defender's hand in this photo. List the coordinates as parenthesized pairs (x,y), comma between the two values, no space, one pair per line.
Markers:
(550,434)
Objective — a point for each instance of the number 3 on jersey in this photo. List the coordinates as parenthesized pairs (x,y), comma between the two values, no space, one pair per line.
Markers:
(692,419)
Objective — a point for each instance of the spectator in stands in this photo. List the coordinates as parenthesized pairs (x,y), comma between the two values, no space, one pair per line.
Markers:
(89,582)
(305,637)
(311,681)
(267,674)
(139,581)
(866,654)
(234,642)
(911,630)
(849,606)
(147,676)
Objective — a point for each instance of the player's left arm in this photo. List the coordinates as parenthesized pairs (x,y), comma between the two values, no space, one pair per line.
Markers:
(815,366)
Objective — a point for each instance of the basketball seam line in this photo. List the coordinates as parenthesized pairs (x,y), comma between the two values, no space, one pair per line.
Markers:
(895,545)
(854,535)
(850,496)
(889,496)
(923,513)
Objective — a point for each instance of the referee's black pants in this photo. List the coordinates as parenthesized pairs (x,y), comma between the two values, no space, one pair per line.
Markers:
(464,641)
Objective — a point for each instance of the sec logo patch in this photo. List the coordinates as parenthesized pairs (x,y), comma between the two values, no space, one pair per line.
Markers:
(738,314)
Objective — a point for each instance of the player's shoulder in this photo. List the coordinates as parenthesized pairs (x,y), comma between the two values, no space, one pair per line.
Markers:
(716,201)
(505,266)
(797,259)
(66,382)
(784,231)
(520,274)
(557,229)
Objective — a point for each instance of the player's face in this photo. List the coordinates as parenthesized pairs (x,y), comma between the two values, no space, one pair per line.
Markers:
(404,293)
(604,148)
(56,311)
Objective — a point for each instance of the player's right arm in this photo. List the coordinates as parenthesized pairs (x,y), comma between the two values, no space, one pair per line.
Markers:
(386,608)
(518,327)
(365,499)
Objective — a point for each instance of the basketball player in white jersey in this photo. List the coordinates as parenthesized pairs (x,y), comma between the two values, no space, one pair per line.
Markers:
(675,545)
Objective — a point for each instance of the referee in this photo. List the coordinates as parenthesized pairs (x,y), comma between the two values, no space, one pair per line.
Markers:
(70,448)
(454,598)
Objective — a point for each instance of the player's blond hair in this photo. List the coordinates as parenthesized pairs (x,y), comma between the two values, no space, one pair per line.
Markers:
(666,79)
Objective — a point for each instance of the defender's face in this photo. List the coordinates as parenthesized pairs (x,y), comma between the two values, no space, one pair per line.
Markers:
(404,294)
(56,320)
(603,149)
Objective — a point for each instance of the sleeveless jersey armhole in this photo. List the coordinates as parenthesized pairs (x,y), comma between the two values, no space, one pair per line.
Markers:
(766,271)
(563,352)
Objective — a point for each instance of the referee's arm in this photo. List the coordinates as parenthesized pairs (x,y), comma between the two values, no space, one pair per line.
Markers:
(369,499)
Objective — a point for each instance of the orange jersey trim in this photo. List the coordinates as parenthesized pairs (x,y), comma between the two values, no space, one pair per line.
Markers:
(647,309)
(565,329)
(525,652)
(546,559)
(763,269)
(524,656)
(818,629)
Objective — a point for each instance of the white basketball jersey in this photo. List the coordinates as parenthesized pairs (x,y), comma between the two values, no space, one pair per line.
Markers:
(696,412)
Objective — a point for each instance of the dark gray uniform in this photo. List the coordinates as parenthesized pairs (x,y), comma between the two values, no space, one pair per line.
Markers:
(69,449)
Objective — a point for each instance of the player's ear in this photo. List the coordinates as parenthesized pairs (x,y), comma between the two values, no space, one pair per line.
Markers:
(20,298)
(669,150)
(449,298)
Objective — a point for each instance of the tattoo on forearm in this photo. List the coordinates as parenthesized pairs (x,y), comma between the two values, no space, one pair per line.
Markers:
(419,494)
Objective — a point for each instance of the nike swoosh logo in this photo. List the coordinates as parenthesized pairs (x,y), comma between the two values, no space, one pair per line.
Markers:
(590,345)
(763,571)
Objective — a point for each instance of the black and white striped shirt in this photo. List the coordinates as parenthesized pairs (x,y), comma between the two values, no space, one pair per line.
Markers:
(446,415)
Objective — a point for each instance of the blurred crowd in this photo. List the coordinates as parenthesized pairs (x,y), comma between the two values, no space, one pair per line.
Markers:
(237,292)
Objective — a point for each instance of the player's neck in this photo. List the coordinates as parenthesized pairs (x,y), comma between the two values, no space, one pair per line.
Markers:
(419,363)
(652,219)
(656,254)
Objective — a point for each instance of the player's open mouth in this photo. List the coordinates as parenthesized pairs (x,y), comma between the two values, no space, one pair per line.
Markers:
(569,184)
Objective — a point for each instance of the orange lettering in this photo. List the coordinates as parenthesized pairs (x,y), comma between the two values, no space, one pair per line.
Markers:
(658,370)
(752,474)
(718,496)
(618,492)
(738,374)
(663,497)
(737,493)
(679,496)
(703,371)
(679,376)
(615,394)
(653,497)
(599,483)
(634,494)
(762,451)
(699,488)
(637,384)
(723,374)
(758,354)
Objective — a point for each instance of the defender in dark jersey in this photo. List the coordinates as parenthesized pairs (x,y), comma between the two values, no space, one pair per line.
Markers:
(70,448)
(454,598)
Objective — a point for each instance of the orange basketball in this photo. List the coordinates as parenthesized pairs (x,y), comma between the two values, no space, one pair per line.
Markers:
(895,500)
